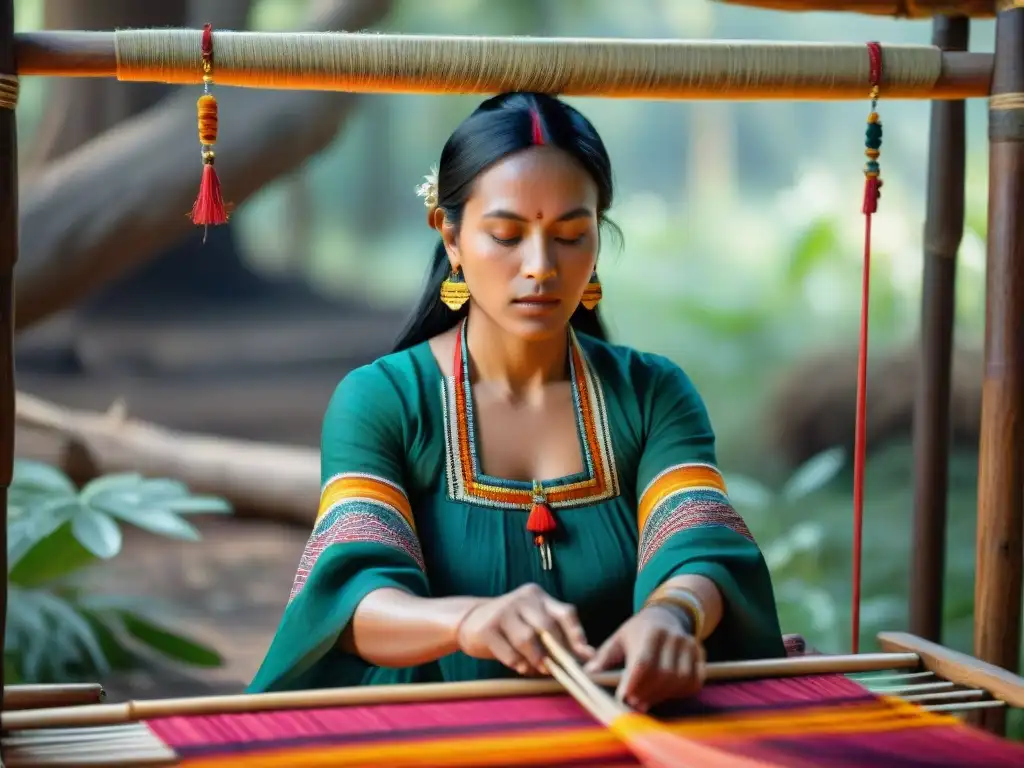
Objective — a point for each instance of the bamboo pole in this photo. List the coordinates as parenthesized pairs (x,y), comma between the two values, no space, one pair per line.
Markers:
(901,9)
(1000,537)
(131,711)
(943,231)
(619,68)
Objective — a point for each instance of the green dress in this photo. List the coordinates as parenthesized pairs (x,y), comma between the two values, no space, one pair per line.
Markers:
(405,505)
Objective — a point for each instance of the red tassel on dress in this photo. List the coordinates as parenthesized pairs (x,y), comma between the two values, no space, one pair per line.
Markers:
(542,523)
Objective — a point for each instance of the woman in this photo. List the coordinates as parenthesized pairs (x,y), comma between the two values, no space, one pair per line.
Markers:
(507,470)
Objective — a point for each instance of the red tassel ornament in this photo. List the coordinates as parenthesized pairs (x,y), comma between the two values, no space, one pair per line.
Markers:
(542,523)
(209,209)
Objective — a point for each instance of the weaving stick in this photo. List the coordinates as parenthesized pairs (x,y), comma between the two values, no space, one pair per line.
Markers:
(653,744)
(131,711)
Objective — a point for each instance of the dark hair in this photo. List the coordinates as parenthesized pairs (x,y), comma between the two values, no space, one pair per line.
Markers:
(499,127)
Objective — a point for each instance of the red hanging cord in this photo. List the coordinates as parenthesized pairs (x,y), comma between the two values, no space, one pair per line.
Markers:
(872,191)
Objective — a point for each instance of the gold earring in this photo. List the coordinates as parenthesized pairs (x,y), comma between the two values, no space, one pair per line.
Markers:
(454,291)
(592,293)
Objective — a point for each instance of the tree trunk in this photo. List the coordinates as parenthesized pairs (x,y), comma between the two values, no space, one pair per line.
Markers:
(78,109)
(94,214)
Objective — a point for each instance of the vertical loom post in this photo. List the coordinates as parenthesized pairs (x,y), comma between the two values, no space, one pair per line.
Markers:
(997,591)
(943,231)
(8,255)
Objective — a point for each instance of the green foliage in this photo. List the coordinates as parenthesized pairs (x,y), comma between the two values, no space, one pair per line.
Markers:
(56,631)
(805,529)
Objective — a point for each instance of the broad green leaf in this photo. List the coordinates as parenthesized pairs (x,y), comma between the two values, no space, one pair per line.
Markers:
(52,557)
(97,532)
(12,671)
(156,520)
(23,613)
(118,654)
(65,652)
(119,481)
(203,505)
(160,489)
(32,476)
(139,606)
(169,644)
(31,529)
(814,474)
(61,613)
(33,661)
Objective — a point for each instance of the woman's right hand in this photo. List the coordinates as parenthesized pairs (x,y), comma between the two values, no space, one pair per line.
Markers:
(508,628)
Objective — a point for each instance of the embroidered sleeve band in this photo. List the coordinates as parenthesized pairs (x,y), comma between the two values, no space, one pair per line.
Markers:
(683,497)
(358,508)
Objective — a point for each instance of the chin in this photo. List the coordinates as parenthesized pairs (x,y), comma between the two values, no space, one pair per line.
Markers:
(539,328)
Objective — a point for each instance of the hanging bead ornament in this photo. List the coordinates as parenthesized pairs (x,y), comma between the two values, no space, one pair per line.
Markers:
(209,208)
(542,524)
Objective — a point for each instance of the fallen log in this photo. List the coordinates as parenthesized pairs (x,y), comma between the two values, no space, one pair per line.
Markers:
(261,480)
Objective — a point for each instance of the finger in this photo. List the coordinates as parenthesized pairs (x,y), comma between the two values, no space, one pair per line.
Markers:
(698,670)
(506,654)
(610,655)
(678,674)
(680,671)
(700,665)
(660,680)
(569,621)
(540,621)
(524,639)
(639,667)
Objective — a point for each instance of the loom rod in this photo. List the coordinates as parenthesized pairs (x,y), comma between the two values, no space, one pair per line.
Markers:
(8,257)
(92,54)
(112,714)
(1000,533)
(943,232)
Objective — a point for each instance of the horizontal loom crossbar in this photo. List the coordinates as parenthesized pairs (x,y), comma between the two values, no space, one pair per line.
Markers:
(130,711)
(612,68)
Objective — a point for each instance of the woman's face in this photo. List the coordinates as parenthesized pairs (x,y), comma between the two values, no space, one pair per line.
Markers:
(528,241)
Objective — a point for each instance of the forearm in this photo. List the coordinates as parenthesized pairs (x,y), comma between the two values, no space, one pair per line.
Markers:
(392,628)
(707,594)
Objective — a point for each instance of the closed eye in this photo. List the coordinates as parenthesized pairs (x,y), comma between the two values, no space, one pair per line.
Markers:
(570,240)
(510,241)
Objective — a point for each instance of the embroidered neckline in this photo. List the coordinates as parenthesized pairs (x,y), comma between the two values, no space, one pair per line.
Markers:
(598,481)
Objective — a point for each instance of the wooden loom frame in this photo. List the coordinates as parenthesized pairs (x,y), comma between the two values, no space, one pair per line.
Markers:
(1001,491)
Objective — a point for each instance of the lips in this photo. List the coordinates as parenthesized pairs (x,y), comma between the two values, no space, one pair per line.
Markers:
(537,300)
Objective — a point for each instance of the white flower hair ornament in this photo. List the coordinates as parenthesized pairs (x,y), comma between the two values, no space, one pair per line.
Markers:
(428,191)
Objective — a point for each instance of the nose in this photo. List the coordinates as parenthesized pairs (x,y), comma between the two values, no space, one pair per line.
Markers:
(538,260)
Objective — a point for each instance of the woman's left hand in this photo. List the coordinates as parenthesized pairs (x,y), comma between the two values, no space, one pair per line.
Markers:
(662,659)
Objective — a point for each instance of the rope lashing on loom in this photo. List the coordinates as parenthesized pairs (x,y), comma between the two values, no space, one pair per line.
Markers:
(609,68)
(872,193)
(1001,101)
(10,87)
(209,207)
